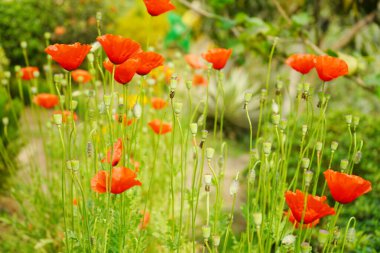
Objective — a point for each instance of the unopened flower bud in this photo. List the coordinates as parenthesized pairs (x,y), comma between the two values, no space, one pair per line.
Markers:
(305,162)
(17,68)
(349,119)
(257,219)
(5,121)
(23,44)
(254,153)
(351,235)
(57,119)
(343,164)
(206,231)
(7,74)
(234,187)
(210,153)
(33,90)
(194,128)
(323,236)
(334,146)
(318,146)
(305,247)
(178,107)
(308,177)
(267,146)
(137,110)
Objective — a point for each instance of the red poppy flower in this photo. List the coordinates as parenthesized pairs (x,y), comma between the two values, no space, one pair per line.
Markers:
(148,61)
(122,180)
(199,80)
(157,7)
(118,48)
(218,57)
(297,224)
(123,72)
(46,100)
(329,68)
(117,153)
(346,188)
(123,119)
(158,103)
(194,61)
(144,220)
(66,115)
(70,57)
(75,202)
(160,127)
(302,63)
(81,76)
(28,73)
(316,207)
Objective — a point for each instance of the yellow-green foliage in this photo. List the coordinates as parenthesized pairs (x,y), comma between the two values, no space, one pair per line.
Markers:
(3,62)
(137,23)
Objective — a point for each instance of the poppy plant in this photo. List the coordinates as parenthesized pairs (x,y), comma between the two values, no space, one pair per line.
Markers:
(118,48)
(329,68)
(346,188)
(148,61)
(81,76)
(158,7)
(123,119)
(160,127)
(158,103)
(144,219)
(29,73)
(194,61)
(66,114)
(297,224)
(302,63)
(199,80)
(122,180)
(46,100)
(69,56)
(117,153)
(218,57)
(123,72)
(316,207)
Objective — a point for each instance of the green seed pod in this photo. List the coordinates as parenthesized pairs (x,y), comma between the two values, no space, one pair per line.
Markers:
(210,153)
(267,146)
(308,177)
(206,231)
(258,219)
(177,107)
(349,119)
(305,162)
(323,236)
(343,164)
(306,247)
(194,128)
(334,146)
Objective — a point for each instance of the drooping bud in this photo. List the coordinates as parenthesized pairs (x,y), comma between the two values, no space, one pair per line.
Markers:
(351,235)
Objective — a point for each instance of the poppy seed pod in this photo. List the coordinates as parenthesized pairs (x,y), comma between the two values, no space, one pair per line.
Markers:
(69,165)
(343,164)
(323,236)
(305,247)
(98,16)
(358,157)
(23,44)
(194,128)
(247,96)
(178,107)
(288,240)
(5,121)
(216,240)
(189,84)
(234,187)
(283,124)
(57,119)
(267,146)
(210,153)
(349,119)
(308,177)
(206,231)
(75,165)
(204,134)
(276,119)
(318,146)
(173,82)
(90,57)
(257,219)
(255,153)
(334,146)
(305,162)
(208,178)
(356,121)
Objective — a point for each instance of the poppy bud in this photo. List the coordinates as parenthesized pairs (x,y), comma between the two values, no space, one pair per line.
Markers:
(334,146)
(276,119)
(304,130)
(24,44)
(257,219)
(305,162)
(318,146)
(47,35)
(267,146)
(206,231)
(351,235)
(349,119)
(178,107)
(57,119)
(323,236)
(305,247)
(247,96)
(357,157)
(216,240)
(57,78)
(194,128)
(137,110)
(5,121)
(234,187)
(17,69)
(98,83)
(288,240)
(356,121)
(189,84)
(308,177)
(343,164)
(107,100)
(210,153)
(208,178)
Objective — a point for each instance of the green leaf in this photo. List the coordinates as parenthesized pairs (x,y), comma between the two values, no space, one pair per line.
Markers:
(301,19)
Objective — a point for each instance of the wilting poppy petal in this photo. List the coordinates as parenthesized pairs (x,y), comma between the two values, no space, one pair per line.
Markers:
(160,127)
(144,220)
(117,153)
(148,61)
(194,61)
(158,103)
(81,76)
(218,57)
(199,80)
(157,7)
(329,68)
(99,182)
(316,207)
(346,188)
(66,114)
(123,72)
(29,73)
(118,48)
(302,63)
(70,57)
(46,100)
